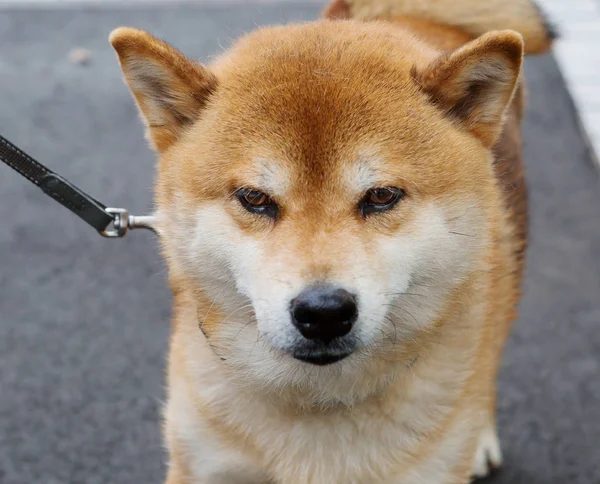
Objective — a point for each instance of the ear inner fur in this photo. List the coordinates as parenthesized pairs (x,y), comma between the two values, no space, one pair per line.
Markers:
(170,90)
(476,83)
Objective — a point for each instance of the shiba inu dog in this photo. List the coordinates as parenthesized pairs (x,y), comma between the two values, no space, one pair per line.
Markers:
(341,206)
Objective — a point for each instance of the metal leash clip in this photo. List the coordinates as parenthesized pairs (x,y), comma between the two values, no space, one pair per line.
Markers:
(123,222)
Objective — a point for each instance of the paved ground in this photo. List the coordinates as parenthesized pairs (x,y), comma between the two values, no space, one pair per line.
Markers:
(84,321)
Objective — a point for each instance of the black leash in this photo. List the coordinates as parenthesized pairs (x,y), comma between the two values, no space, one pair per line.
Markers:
(80,203)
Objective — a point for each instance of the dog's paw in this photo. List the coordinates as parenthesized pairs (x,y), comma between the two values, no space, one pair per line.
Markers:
(488,456)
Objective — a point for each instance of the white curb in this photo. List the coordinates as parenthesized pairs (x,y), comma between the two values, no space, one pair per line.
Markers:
(577,52)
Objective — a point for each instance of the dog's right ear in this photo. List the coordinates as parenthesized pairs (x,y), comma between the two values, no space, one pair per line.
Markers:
(170,89)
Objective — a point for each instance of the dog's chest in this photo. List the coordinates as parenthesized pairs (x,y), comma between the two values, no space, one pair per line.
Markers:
(363,449)
(372,443)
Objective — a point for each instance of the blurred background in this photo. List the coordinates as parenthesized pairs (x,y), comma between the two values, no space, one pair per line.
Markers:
(84,321)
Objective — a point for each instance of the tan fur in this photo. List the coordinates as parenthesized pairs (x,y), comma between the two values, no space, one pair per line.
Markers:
(474,17)
(308,112)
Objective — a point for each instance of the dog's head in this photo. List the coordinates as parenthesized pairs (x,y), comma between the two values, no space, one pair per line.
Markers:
(322,189)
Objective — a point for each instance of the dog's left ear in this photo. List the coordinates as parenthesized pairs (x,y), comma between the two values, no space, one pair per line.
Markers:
(170,89)
(475,84)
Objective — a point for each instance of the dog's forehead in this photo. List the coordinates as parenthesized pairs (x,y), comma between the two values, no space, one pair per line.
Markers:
(306,99)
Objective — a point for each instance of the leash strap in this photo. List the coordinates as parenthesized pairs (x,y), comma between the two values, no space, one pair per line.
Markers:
(80,203)
(65,193)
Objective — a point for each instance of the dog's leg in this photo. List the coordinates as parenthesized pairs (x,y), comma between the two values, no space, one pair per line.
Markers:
(175,477)
(488,455)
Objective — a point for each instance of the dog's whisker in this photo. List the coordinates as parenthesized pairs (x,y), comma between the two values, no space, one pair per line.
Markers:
(398,294)
(241,329)
(391,320)
(460,233)
(405,311)
(457,217)
(213,303)
(227,319)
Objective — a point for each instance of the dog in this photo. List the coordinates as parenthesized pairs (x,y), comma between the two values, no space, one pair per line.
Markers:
(342,208)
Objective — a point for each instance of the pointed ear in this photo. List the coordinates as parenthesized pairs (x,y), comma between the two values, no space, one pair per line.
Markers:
(475,84)
(170,90)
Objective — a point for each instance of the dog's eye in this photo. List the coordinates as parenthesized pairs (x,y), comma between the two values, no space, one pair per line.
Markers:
(257,202)
(255,198)
(380,200)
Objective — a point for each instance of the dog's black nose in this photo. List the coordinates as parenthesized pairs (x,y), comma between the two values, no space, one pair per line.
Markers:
(324,312)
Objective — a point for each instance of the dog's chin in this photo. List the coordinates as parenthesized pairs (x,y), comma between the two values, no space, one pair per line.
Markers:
(320,358)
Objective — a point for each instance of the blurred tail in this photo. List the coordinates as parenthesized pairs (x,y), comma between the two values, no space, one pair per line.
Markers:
(473,17)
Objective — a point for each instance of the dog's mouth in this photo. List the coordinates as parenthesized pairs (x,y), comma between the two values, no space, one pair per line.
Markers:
(320,358)
(322,354)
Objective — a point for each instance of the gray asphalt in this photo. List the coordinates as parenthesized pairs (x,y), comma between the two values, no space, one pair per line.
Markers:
(84,321)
